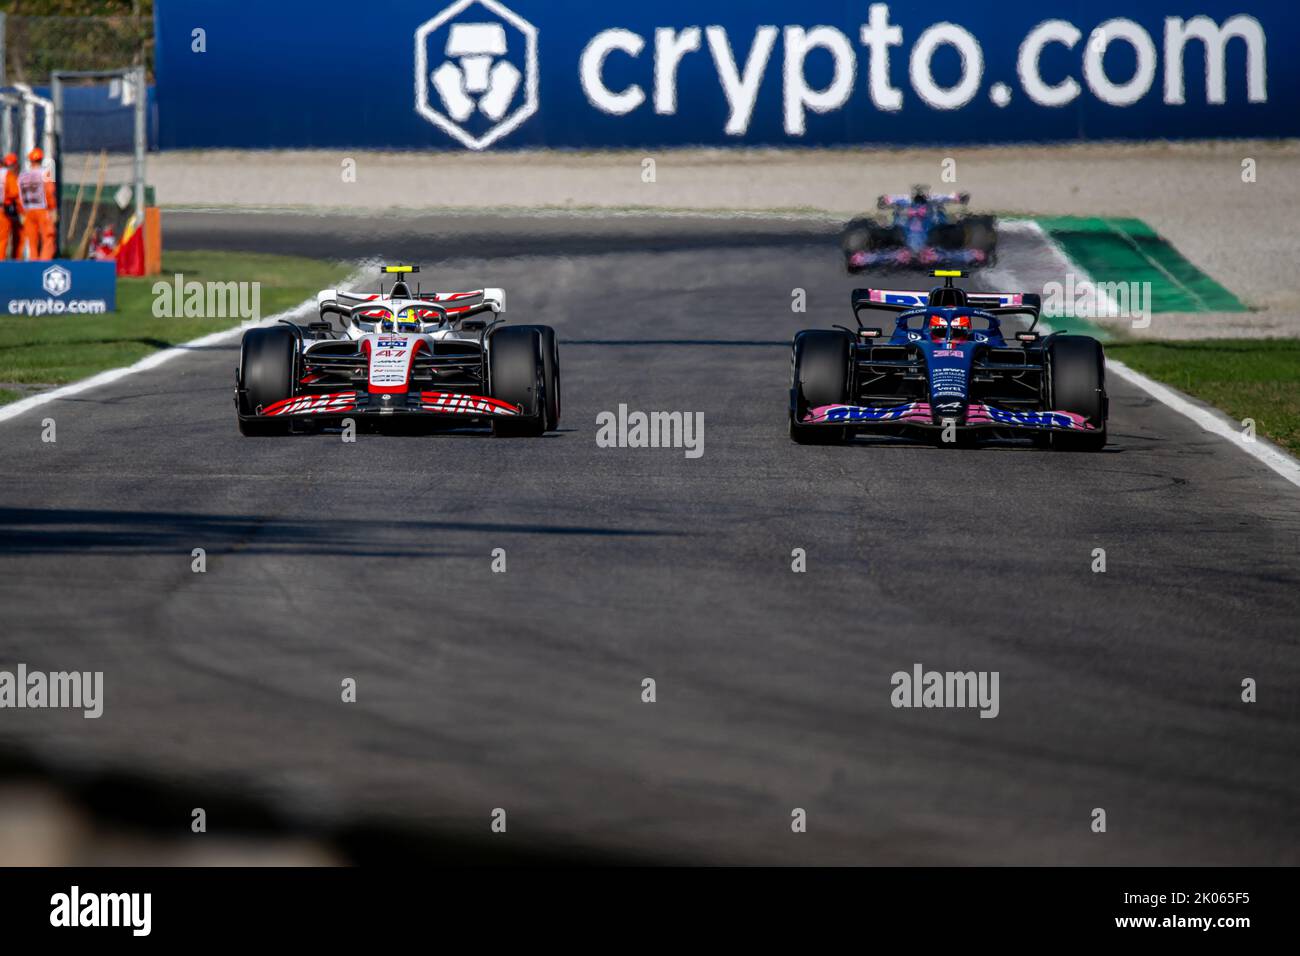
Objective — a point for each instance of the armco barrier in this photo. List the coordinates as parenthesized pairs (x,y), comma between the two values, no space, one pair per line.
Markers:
(57,287)
(579,74)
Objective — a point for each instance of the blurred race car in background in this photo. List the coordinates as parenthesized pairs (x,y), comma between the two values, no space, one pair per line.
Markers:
(948,373)
(920,233)
(444,358)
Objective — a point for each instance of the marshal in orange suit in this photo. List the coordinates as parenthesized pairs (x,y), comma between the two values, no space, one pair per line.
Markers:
(10,224)
(36,203)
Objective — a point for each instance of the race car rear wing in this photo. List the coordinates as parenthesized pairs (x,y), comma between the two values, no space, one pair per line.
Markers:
(430,314)
(905,300)
(495,299)
(901,300)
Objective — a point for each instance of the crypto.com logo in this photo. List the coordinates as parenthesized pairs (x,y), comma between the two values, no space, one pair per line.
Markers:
(56,280)
(477,92)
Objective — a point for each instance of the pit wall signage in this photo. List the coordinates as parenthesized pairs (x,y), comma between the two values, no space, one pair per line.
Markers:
(491,74)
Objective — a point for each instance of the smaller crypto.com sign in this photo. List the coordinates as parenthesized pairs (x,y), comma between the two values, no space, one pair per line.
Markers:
(479,74)
(57,287)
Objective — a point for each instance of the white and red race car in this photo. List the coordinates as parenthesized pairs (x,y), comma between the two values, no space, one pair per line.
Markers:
(445,357)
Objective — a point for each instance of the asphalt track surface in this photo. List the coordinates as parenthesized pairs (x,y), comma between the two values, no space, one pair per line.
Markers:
(522,690)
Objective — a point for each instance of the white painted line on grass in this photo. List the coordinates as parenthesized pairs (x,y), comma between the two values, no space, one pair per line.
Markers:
(14,409)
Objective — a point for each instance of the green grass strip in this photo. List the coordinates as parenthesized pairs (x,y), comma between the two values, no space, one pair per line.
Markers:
(39,352)
(1246,378)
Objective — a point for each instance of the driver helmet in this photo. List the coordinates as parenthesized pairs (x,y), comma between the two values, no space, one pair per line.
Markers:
(408,320)
(920,195)
(387,323)
(939,327)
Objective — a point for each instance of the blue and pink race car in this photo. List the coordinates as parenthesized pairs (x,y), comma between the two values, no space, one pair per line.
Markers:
(947,373)
(920,233)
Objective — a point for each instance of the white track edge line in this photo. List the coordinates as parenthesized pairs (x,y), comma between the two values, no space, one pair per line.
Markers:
(14,409)
(1213,421)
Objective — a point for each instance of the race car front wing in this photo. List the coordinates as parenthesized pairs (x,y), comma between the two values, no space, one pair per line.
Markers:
(923,415)
(354,402)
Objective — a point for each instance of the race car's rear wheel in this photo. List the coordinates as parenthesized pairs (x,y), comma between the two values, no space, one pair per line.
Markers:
(982,234)
(266,370)
(819,375)
(1078,377)
(867,235)
(517,374)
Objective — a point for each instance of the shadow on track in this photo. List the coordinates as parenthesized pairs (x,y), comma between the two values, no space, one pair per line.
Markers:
(30,531)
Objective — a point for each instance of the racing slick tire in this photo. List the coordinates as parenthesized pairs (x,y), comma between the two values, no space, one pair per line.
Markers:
(867,235)
(1078,375)
(982,234)
(266,375)
(517,374)
(819,375)
(856,238)
(550,375)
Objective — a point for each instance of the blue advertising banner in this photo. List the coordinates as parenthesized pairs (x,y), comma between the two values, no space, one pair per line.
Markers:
(479,74)
(58,287)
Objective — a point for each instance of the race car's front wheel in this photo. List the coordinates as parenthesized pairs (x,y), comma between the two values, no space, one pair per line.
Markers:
(550,375)
(517,374)
(266,366)
(1078,376)
(819,375)
(856,238)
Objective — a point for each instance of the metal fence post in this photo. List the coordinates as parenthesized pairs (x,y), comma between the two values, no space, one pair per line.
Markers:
(141,141)
(61,236)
